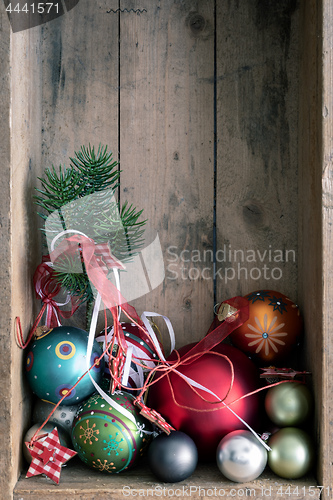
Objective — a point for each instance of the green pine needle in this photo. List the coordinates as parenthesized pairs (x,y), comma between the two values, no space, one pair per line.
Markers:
(100,217)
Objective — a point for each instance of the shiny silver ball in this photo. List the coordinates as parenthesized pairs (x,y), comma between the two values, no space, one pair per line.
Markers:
(63,415)
(240,456)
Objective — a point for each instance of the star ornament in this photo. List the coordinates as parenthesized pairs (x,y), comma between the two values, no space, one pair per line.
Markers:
(48,456)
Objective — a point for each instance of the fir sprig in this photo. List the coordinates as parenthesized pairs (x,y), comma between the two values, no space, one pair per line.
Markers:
(97,171)
(82,197)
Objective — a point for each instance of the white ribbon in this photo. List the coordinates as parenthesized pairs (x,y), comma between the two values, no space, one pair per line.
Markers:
(104,395)
(152,333)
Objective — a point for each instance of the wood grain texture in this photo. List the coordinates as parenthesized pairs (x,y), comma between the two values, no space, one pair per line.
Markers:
(80,88)
(325,112)
(310,199)
(80,82)
(26,244)
(166,141)
(273,178)
(257,113)
(80,483)
(6,476)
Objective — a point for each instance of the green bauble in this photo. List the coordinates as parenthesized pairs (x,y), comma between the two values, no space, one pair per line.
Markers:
(106,439)
(292,453)
(288,404)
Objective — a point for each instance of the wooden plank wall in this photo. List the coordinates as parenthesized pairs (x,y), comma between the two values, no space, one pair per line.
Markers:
(25,235)
(162,106)
(167,153)
(199,101)
(179,111)
(257,85)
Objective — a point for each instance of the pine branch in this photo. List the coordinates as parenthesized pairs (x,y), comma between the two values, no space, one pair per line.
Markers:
(81,197)
(98,171)
(59,188)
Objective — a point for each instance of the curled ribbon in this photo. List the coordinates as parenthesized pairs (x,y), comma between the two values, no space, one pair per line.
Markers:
(47,289)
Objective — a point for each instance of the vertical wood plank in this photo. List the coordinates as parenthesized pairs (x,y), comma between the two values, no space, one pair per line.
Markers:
(257,85)
(166,138)
(324,356)
(80,87)
(6,369)
(80,82)
(310,213)
(25,237)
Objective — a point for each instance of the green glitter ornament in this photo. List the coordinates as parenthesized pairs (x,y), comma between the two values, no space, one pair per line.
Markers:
(107,438)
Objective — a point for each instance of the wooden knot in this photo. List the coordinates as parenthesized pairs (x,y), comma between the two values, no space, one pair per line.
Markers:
(196,22)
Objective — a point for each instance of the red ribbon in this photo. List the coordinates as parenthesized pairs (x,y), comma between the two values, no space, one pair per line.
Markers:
(47,288)
(97,272)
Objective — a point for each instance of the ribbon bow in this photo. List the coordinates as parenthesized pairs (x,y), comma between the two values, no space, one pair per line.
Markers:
(47,288)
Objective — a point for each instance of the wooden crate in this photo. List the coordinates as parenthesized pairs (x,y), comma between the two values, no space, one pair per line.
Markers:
(220,115)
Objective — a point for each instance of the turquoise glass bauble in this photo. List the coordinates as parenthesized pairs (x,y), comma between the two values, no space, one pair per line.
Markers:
(55,362)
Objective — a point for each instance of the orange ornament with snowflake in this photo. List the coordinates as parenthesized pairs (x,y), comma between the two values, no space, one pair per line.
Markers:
(273,329)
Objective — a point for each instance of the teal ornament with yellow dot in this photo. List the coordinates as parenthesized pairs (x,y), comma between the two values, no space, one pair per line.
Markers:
(57,359)
(110,438)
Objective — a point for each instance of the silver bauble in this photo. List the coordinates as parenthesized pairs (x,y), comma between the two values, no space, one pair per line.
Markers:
(240,456)
(63,414)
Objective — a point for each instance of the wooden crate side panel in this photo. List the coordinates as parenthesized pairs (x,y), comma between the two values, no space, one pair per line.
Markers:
(6,368)
(25,160)
(256,185)
(326,109)
(166,142)
(310,214)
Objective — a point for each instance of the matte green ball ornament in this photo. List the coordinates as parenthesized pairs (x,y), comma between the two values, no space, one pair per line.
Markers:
(288,404)
(292,453)
(55,362)
(108,439)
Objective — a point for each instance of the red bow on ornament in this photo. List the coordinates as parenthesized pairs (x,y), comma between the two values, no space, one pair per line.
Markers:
(47,288)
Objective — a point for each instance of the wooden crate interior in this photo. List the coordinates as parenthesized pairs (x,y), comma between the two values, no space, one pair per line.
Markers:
(219,114)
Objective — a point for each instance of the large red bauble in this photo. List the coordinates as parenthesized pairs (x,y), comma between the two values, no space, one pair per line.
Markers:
(207,427)
(273,328)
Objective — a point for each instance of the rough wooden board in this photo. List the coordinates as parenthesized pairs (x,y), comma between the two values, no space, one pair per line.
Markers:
(327,251)
(80,483)
(166,143)
(310,227)
(6,476)
(257,116)
(80,82)
(26,150)
(80,88)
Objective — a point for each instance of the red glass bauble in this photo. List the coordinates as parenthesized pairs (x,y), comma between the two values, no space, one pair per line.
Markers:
(207,427)
(273,328)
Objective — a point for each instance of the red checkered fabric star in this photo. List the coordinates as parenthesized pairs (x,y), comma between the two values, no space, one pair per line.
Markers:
(48,456)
